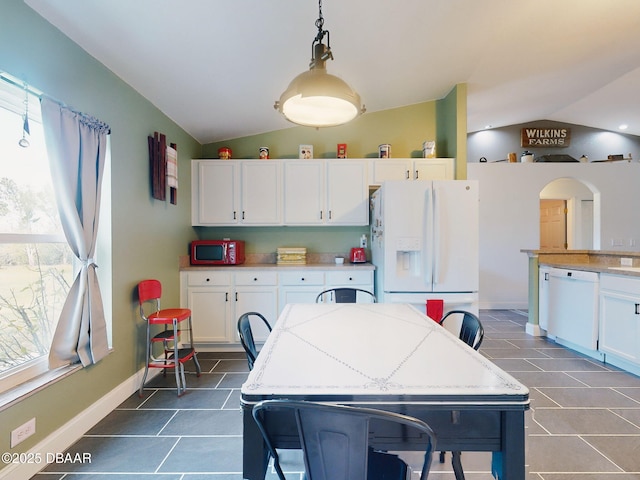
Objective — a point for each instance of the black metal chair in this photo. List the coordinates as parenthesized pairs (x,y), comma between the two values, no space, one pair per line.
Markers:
(346,295)
(469,329)
(466,325)
(246,335)
(335,439)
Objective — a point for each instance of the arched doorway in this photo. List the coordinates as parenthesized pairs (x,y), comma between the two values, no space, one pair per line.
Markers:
(569,209)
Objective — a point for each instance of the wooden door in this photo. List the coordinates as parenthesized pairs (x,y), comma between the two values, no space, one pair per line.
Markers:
(553,224)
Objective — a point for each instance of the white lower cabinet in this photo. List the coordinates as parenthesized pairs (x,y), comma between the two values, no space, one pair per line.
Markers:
(300,286)
(217,298)
(543,297)
(256,292)
(208,295)
(362,280)
(620,318)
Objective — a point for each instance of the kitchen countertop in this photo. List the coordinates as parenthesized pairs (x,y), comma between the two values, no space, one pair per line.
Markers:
(272,266)
(601,261)
(267,262)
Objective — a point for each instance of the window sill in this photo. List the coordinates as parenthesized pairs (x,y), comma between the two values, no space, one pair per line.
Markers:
(30,387)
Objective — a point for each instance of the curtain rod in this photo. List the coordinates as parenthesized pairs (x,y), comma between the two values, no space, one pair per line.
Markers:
(11,81)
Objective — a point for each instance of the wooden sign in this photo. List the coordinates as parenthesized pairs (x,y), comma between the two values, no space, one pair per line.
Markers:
(545,137)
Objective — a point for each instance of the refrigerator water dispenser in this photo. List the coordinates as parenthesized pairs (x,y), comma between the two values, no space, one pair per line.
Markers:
(408,256)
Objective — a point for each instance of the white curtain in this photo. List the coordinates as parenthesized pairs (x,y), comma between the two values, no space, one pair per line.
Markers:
(76,145)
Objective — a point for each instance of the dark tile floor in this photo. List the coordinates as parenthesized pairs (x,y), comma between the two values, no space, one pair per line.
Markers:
(584,421)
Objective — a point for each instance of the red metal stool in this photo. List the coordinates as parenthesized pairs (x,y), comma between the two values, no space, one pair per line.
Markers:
(172,356)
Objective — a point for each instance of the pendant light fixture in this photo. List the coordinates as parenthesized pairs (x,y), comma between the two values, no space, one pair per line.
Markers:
(315,98)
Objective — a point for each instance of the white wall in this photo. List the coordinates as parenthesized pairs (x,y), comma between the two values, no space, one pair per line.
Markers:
(509,218)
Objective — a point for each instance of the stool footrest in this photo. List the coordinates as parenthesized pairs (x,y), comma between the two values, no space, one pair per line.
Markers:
(184,355)
(165,335)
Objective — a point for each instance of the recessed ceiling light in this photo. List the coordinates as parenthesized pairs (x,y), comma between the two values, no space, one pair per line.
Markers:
(624,126)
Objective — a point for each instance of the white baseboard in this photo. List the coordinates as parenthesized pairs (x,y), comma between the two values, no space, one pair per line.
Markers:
(534,330)
(73,430)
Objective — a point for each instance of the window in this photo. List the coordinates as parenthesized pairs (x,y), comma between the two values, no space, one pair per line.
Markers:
(36,264)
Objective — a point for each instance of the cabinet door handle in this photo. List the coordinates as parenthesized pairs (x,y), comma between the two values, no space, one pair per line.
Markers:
(243,215)
(408,175)
(207,280)
(302,279)
(546,276)
(329,214)
(255,279)
(320,214)
(637,308)
(226,296)
(350,278)
(235,216)
(236,296)
(416,175)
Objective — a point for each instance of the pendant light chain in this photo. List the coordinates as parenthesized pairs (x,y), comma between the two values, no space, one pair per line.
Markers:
(320,26)
(320,20)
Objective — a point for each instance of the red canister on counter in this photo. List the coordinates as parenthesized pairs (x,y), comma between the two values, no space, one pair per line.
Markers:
(342,150)
(224,153)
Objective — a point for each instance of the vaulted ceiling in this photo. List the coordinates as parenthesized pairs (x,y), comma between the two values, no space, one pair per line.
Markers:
(216,67)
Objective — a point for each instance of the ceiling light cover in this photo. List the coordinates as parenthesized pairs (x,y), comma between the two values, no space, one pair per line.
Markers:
(315,98)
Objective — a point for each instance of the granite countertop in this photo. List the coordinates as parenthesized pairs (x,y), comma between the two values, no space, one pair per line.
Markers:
(601,261)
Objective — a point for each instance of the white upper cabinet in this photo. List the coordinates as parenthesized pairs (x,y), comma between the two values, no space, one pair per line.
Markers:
(227,192)
(411,169)
(434,169)
(214,193)
(347,192)
(280,192)
(303,192)
(391,169)
(261,192)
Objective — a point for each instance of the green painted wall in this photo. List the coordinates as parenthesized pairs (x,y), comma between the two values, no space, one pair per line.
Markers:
(405,128)
(147,237)
(268,239)
(451,136)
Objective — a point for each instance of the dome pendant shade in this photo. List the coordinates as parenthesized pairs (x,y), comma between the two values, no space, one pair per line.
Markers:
(317,99)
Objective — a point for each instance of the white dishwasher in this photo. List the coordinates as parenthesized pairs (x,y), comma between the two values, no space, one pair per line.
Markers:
(573,308)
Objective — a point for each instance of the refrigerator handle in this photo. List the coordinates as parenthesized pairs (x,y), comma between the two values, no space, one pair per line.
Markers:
(427,252)
(436,237)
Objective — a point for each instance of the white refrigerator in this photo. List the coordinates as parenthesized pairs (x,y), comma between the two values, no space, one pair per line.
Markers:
(424,242)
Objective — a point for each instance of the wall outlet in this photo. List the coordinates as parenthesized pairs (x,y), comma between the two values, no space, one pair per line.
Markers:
(23,432)
(626,262)
(363,241)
